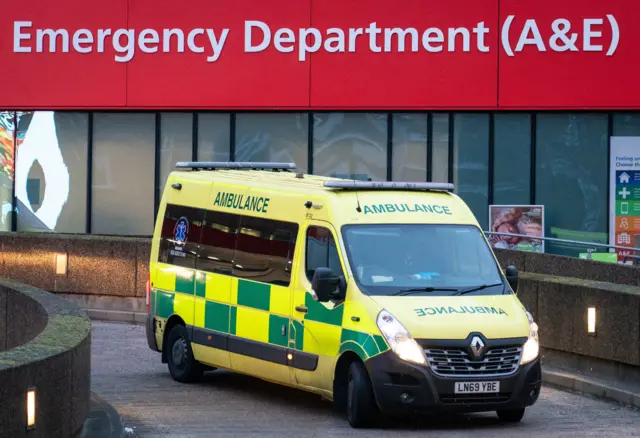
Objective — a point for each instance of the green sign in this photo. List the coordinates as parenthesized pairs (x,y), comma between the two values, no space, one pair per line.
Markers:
(607,257)
(627,208)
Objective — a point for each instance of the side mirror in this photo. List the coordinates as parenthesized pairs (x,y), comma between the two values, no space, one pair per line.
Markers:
(327,286)
(512,277)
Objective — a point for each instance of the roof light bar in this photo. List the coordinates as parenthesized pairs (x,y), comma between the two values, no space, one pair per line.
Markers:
(213,165)
(389,185)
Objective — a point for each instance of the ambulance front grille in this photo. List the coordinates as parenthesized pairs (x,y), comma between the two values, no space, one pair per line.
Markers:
(450,362)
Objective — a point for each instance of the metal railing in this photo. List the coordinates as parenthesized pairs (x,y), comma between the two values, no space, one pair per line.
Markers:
(589,245)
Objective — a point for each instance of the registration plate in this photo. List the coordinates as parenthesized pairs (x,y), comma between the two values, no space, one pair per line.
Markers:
(477,387)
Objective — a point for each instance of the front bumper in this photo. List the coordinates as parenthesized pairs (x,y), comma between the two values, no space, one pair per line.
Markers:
(402,387)
(150,326)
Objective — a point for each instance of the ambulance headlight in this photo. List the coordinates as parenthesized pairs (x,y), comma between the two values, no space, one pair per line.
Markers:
(399,339)
(531,348)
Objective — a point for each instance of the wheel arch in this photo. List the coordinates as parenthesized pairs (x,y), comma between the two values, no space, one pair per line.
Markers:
(340,375)
(171,323)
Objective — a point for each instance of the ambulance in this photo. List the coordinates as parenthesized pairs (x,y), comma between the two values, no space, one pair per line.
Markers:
(382,297)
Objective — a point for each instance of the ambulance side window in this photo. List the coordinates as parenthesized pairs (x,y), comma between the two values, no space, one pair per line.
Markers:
(218,242)
(181,231)
(321,251)
(264,249)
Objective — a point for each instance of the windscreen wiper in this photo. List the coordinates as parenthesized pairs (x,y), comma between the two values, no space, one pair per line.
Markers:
(476,288)
(424,289)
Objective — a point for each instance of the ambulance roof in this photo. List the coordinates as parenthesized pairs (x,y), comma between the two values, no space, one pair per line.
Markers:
(337,200)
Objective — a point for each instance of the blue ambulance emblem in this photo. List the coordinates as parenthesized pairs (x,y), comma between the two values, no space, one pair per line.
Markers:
(181,230)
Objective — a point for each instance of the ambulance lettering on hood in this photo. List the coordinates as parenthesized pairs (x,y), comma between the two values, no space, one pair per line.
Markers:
(448,310)
(406,208)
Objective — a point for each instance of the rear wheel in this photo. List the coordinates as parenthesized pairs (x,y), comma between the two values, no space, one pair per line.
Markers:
(182,365)
(512,415)
(361,405)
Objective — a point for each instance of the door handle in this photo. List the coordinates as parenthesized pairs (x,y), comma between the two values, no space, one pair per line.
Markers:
(301,309)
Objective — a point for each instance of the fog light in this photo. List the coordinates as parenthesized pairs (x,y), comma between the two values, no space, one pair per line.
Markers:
(591,321)
(31,408)
(61,264)
(406,398)
(289,356)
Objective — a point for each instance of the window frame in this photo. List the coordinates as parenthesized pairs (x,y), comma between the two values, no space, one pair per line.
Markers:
(332,234)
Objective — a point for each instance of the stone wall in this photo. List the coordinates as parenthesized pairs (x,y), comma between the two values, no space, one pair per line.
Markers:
(21,318)
(49,342)
(97,265)
(561,266)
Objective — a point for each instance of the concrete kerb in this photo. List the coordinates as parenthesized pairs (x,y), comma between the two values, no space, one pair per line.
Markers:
(117,316)
(550,376)
(588,386)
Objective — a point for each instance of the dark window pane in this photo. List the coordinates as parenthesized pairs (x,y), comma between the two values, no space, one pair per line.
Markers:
(512,169)
(440,165)
(273,137)
(571,178)
(214,136)
(181,230)
(321,252)
(471,163)
(176,143)
(409,147)
(123,173)
(218,242)
(626,124)
(264,250)
(350,145)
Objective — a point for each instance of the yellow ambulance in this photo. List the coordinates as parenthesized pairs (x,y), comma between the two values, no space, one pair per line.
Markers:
(380,296)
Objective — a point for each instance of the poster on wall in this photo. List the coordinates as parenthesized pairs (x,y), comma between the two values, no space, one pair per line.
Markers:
(526,220)
(624,196)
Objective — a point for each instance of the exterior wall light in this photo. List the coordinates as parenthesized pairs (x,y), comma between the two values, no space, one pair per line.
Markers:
(31,408)
(591,321)
(61,264)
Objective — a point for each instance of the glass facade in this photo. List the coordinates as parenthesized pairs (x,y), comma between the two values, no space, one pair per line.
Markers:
(104,172)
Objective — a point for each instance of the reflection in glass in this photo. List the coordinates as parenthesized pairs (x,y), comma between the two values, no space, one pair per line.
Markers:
(471,162)
(350,145)
(512,169)
(176,140)
(571,178)
(280,137)
(214,138)
(7,148)
(51,171)
(123,173)
(409,147)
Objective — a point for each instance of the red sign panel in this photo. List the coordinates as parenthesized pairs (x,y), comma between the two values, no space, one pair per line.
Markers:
(330,54)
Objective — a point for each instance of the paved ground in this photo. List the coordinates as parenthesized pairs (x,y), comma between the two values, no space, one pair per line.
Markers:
(130,377)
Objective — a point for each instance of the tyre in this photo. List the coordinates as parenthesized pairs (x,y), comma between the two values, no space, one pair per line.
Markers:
(511,416)
(182,365)
(361,405)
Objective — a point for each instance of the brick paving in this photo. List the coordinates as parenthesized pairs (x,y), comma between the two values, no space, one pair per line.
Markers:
(131,378)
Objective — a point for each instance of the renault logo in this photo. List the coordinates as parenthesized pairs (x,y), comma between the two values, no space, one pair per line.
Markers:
(477,346)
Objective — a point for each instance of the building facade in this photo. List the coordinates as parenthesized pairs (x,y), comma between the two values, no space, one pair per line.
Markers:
(514,102)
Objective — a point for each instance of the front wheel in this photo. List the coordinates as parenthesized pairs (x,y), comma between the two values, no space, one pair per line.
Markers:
(182,365)
(511,416)
(361,405)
